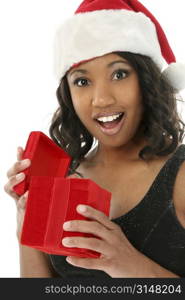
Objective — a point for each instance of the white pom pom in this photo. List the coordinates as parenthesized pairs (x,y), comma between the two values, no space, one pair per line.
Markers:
(175,73)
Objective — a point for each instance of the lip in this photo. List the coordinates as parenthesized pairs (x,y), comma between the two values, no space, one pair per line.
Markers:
(114,130)
(106,114)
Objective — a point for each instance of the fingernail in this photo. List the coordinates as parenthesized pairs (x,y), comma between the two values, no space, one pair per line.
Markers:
(20,176)
(26,194)
(67,225)
(82,208)
(66,241)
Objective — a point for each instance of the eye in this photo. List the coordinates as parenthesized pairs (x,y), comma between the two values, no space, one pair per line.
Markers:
(80,80)
(121,72)
(84,81)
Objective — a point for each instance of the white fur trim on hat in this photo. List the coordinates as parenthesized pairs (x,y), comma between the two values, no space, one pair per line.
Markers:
(92,34)
(175,73)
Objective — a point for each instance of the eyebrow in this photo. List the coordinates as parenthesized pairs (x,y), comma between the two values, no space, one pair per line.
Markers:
(109,66)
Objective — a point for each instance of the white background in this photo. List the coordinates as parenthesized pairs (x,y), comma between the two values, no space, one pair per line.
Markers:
(28,85)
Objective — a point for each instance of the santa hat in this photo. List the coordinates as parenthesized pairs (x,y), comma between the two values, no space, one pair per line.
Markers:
(99,27)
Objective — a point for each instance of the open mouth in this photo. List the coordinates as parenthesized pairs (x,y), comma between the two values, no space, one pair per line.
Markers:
(111,124)
(112,127)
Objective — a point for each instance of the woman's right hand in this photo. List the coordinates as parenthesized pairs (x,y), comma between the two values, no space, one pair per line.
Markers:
(15,176)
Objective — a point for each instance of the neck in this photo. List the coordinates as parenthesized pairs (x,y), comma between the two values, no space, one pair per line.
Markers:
(109,156)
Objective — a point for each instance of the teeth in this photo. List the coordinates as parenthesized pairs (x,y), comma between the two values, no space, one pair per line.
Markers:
(109,118)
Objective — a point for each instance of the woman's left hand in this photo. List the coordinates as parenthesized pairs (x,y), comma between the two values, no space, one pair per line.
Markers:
(118,258)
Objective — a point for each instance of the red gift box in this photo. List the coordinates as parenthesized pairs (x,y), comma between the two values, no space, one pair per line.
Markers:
(51,202)
(52,198)
(46,157)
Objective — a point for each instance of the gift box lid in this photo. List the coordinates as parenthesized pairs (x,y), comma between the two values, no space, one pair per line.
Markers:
(47,159)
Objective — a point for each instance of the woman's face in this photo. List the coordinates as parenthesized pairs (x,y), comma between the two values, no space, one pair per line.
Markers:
(106,86)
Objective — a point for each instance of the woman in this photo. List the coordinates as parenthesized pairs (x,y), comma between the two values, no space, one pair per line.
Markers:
(122,101)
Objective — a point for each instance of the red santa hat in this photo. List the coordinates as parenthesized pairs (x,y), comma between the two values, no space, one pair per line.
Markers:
(99,27)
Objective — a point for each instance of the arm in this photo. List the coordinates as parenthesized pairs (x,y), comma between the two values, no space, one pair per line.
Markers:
(34,263)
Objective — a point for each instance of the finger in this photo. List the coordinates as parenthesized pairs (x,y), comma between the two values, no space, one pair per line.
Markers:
(73,176)
(14,180)
(11,193)
(92,227)
(86,263)
(87,243)
(97,215)
(19,153)
(18,167)
(21,204)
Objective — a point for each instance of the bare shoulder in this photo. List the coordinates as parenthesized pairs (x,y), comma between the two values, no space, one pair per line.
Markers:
(179,193)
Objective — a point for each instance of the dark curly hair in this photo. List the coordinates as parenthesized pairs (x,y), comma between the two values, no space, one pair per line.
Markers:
(162,126)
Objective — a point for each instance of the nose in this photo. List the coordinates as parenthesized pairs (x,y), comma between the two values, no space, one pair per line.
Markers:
(103,97)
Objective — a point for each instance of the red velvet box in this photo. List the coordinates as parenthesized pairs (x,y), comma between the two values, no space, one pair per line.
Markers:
(52,198)
(47,159)
(51,202)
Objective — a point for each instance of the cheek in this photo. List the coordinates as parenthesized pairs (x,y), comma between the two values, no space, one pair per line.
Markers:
(134,105)
(135,96)
(137,109)
(77,103)
(76,106)
(81,109)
